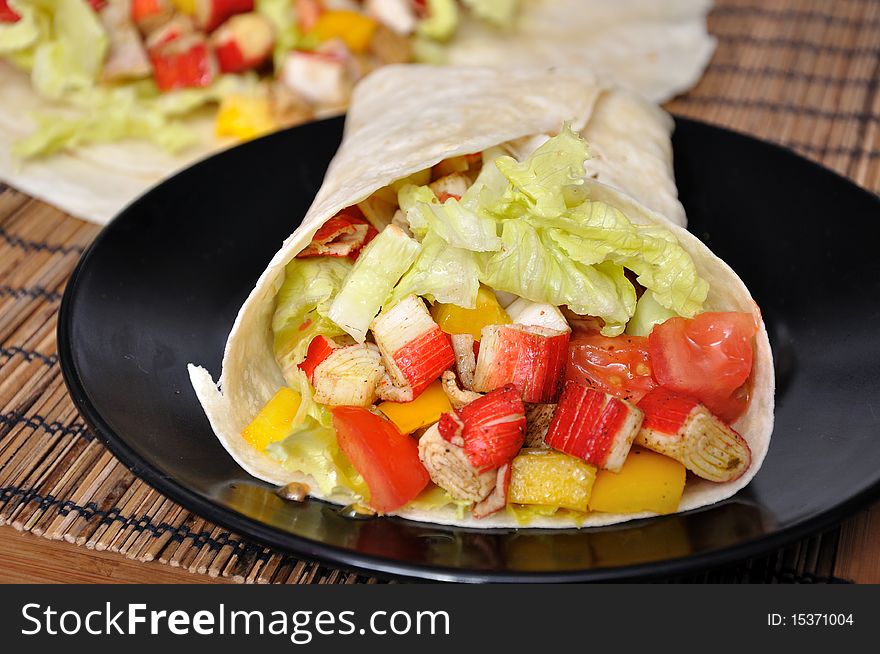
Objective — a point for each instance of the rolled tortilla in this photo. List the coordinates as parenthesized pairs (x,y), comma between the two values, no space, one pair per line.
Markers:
(405,119)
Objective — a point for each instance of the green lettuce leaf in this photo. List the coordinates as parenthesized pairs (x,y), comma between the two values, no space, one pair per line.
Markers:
(312,447)
(301,307)
(133,110)
(455,224)
(538,184)
(553,277)
(20,37)
(441,21)
(377,270)
(557,245)
(434,498)
(71,55)
(441,273)
(649,312)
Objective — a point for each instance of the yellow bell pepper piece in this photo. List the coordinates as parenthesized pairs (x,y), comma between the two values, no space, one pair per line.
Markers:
(455,320)
(647,482)
(425,410)
(244,117)
(187,7)
(550,479)
(274,419)
(353,28)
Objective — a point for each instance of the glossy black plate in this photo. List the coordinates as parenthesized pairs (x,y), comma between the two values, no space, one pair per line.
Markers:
(161,285)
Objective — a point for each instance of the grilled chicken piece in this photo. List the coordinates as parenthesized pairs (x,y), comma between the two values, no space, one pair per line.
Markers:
(538,418)
(457,397)
(449,468)
(126,55)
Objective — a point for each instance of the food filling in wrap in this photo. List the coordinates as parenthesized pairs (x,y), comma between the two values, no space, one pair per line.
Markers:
(493,336)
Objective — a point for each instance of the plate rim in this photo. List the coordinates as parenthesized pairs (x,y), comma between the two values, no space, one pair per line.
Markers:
(333,555)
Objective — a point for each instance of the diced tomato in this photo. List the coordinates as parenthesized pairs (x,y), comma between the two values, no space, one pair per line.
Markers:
(97,5)
(386,459)
(619,366)
(708,357)
(7,13)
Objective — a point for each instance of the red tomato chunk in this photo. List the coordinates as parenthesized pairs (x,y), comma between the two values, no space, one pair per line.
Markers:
(386,459)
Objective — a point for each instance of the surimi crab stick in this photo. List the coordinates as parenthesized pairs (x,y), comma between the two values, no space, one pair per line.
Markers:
(593,426)
(243,42)
(185,62)
(491,429)
(532,358)
(211,13)
(414,349)
(344,235)
(349,376)
(685,430)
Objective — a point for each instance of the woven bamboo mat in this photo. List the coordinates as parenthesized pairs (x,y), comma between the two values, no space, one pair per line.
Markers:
(803,73)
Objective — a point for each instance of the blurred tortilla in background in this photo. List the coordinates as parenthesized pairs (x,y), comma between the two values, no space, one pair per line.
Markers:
(656,48)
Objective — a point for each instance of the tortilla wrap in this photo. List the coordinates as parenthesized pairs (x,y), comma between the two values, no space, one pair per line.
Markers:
(405,119)
(658,49)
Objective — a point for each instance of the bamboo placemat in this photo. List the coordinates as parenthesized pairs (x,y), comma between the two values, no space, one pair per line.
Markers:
(803,73)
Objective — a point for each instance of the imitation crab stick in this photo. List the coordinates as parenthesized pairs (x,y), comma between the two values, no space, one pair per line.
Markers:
(344,235)
(414,349)
(683,429)
(243,42)
(150,14)
(320,348)
(593,426)
(210,14)
(349,376)
(491,429)
(7,13)
(532,358)
(185,62)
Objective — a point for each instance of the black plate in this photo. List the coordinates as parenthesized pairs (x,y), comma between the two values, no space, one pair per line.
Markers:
(161,285)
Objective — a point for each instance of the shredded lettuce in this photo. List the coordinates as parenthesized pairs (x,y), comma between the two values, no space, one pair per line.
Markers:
(531,266)
(63,44)
(378,268)
(649,312)
(434,497)
(556,245)
(19,38)
(453,222)
(301,309)
(441,273)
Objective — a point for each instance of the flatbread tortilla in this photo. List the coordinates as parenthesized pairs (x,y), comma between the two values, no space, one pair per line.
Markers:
(658,49)
(405,119)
